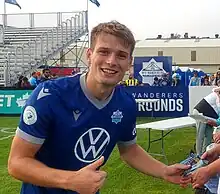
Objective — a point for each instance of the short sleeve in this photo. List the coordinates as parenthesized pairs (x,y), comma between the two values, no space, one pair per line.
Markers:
(129,134)
(36,118)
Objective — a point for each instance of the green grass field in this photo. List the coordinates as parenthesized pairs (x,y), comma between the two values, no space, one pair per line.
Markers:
(121,178)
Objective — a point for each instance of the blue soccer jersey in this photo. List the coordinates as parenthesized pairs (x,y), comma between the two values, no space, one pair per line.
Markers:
(74,128)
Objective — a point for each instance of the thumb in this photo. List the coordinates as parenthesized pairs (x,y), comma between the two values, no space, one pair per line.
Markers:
(205,155)
(182,166)
(96,164)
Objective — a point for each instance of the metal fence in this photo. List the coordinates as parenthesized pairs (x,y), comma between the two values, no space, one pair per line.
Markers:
(1,34)
(59,30)
(35,20)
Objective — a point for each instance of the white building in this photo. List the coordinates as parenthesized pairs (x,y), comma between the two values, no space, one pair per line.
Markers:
(199,53)
(203,53)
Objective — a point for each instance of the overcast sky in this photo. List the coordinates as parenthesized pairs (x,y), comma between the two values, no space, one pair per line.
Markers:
(146,18)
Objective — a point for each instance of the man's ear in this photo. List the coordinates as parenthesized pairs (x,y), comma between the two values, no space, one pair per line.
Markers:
(89,55)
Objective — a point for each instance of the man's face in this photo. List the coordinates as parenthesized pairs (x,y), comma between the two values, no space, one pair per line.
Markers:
(206,81)
(34,75)
(108,60)
(47,73)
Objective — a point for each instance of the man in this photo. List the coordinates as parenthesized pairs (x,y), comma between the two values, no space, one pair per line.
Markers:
(195,80)
(46,75)
(175,79)
(70,126)
(131,81)
(164,81)
(203,174)
(209,106)
(33,79)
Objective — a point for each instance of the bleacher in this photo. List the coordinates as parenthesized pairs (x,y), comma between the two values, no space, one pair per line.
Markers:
(24,49)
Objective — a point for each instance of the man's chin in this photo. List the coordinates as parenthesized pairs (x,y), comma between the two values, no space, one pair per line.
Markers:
(109,83)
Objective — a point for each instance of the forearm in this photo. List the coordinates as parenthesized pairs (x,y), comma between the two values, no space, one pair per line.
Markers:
(137,158)
(32,171)
(214,168)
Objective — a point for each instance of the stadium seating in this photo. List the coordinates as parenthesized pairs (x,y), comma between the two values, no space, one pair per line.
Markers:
(22,50)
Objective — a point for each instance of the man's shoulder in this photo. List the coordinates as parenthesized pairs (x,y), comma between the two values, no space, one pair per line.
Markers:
(63,84)
(56,88)
(31,79)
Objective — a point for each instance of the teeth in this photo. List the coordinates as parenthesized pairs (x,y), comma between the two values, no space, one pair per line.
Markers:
(109,71)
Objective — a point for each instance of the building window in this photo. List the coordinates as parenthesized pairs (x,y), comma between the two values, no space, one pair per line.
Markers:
(193,55)
(160,53)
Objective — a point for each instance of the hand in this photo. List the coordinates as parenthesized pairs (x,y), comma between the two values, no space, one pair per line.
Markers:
(174,174)
(200,177)
(212,123)
(216,137)
(211,155)
(88,180)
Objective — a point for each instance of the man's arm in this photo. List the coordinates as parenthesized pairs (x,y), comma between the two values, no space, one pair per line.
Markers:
(137,158)
(23,166)
(202,175)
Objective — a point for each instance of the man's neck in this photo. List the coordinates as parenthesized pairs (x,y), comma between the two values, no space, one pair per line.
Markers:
(98,90)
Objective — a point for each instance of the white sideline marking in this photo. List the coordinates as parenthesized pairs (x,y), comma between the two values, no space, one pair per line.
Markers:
(5,130)
(6,137)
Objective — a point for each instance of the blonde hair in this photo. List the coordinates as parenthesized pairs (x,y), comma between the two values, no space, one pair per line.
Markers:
(114,28)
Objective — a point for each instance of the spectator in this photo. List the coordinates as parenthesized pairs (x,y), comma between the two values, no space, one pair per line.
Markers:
(131,81)
(33,79)
(175,79)
(217,78)
(25,83)
(156,81)
(38,77)
(195,80)
(46,75)
(211,80)
(206,82)
(164,81)
(208,106)
(203,79)
(202,175)
(18,84)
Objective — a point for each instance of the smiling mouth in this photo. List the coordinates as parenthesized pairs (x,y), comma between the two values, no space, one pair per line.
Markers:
(108,71)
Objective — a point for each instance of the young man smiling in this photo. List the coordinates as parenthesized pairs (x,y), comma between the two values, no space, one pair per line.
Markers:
(70,126)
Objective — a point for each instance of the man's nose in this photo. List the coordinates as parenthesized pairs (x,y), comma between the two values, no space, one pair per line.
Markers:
(112,60)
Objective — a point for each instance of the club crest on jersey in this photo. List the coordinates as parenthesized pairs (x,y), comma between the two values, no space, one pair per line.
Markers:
(29,115)
(116,117)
